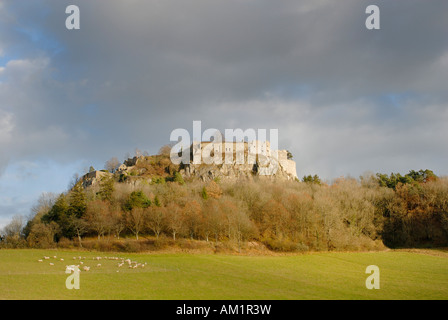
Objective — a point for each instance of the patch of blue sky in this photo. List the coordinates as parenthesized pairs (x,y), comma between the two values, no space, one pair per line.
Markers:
(23,182)
(4,59)
(42,41)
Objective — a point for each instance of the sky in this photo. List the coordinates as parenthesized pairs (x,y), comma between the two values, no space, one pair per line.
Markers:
(346,100)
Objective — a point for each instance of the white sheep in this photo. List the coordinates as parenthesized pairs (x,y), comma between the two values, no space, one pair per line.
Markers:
(51,264)
(40,260)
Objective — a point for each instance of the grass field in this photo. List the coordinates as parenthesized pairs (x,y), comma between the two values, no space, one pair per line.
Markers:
(403,275)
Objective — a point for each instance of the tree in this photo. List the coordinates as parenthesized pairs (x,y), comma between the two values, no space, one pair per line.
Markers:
(42,234)
(422,176)
(78,201)
(137,199)
(79,225)
(192,213)
(97,216)
(112,164)
(118,222)
(240,225)
(165,150)
(13,230)
(107,188)
(174,219)
(135,220)
(44,204)
(57,211)
(275,220)
(155,219)
(74,181)
(178,178)
(312,179)
(213,190)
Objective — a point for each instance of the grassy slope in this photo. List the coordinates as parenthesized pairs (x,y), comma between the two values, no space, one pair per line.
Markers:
(404,275)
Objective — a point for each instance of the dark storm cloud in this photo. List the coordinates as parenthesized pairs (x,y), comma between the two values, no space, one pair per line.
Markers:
(345,99)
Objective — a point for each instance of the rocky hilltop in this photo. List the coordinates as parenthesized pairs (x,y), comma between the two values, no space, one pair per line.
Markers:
(153,169)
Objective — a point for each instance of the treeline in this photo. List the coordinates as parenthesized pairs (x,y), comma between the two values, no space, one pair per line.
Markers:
(349,214)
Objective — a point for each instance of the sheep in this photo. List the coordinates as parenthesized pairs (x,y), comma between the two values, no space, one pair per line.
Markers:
(51,264)
(40,260)
(73,268)
(62,259)
(98,265)
(54,257)
(86,268)
(81,262)
(46,258)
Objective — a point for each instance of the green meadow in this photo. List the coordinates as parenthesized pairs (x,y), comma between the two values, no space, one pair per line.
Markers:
(403,275)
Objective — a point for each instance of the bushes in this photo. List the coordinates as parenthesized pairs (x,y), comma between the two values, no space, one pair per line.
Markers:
(42,235)
(285,245)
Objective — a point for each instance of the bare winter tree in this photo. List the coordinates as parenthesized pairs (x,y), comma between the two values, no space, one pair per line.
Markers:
(74,181)
(135,220)
(174,219)
(112,164)
(13,229)
(97,216)
(80,226)
(155,219)
(44,204)
(117,222)
(166,149)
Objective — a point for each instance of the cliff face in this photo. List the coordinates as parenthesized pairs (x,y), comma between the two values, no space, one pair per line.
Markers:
(146,169)
(91,178)
(285,171)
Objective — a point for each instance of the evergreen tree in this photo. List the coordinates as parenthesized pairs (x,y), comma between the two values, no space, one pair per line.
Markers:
(107,188)
(78,201)
(137,199)
(58,210)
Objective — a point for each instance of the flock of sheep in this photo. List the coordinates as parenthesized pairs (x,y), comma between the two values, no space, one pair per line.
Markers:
(120,262)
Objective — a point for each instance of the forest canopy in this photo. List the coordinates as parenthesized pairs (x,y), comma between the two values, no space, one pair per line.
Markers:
(376,210)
